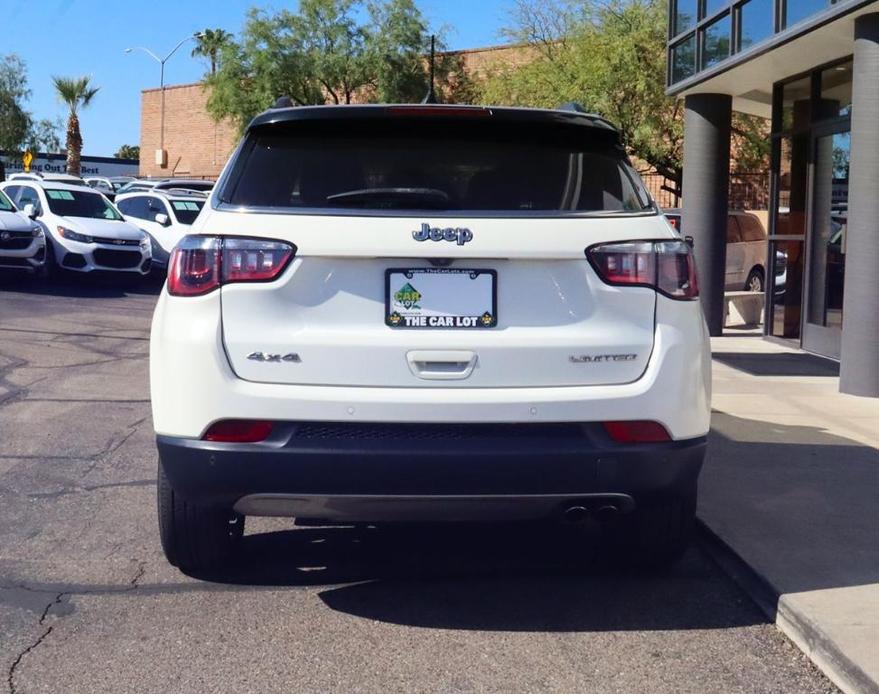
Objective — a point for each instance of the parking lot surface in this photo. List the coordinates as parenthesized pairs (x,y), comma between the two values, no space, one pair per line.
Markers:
(88,603)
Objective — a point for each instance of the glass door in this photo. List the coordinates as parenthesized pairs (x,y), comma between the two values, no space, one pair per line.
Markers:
(822,327)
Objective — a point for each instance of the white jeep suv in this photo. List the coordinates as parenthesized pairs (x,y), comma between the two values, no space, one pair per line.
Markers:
(429,313)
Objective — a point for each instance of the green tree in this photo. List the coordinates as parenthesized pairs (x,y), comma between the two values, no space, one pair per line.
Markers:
(609,56)
(76,93)
(45,136)
(15,121)
(128,152)
(329,51)
(209,44)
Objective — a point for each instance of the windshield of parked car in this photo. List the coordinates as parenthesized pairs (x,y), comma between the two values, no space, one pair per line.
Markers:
(187,210)
(5,203)
(433,164)
(76,203)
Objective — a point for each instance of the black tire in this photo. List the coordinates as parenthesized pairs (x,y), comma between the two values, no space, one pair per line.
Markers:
(756,281)
(194,537)
(655,534)
(49,271)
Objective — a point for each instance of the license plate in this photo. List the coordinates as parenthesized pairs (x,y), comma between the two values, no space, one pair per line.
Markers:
(440,298)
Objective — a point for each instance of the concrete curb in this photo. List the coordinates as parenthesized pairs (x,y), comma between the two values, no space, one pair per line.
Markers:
(804,632)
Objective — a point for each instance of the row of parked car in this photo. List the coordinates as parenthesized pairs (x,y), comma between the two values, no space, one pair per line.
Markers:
(54,222)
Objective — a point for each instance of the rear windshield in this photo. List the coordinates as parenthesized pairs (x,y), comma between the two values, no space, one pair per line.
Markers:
(187,210)
(5,203)
(384,165)
(75,203)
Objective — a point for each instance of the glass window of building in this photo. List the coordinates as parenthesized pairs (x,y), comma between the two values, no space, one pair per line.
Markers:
(683,59)
(828,235)
(796,104)
(686,13)
(836,92)
(798,10)
(712,6)
(757,22)
(716,41)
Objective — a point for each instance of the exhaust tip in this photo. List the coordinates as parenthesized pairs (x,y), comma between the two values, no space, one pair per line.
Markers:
(607,513)
(576,514)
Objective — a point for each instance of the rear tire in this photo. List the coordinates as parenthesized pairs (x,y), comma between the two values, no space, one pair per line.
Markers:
(756,281)
(655,534)
(195,537)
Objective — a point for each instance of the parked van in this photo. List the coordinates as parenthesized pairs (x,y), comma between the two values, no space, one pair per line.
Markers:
(745,250)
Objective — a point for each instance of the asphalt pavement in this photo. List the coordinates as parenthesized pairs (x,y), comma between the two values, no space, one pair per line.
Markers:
(88,603)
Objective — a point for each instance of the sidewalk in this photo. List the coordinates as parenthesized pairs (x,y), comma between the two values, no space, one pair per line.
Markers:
(791,486)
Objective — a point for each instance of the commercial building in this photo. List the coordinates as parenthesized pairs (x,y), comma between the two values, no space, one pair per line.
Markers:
(57,163)
(812,66)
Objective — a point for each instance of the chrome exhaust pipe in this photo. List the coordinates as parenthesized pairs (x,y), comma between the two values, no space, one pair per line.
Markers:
(607,513)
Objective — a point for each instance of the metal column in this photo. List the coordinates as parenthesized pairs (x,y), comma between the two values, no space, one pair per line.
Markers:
(859,373)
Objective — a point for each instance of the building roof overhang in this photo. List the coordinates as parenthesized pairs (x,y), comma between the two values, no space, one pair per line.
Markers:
(748,76)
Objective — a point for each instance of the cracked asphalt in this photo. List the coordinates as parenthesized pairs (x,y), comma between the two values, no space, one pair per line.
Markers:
(88,603)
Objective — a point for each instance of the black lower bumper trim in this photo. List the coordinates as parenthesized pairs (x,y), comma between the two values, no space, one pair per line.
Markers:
(472,460)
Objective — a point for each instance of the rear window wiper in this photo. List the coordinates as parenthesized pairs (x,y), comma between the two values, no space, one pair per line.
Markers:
(430,198)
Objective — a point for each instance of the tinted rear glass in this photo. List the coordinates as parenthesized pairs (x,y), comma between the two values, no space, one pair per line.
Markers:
(465,165)
(187,210)
(75,203)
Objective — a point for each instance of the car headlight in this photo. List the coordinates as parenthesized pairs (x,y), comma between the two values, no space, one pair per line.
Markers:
(37,232)
(144,241)
(71,235)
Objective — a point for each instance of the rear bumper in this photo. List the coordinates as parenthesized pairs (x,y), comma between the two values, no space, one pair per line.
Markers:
(428,472)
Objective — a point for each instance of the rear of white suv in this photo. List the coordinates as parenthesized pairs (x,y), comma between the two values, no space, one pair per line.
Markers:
(429,313)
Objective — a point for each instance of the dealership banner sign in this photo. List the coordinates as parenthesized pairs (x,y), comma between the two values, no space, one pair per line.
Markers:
(57,163)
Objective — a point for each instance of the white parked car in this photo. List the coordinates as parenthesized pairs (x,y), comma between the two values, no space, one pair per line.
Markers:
(22,242)
(84,231)
(47,178)
(102,184)
(166,216)
(429,313)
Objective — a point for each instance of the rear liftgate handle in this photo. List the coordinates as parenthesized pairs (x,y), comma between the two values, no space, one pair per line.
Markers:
(442,365)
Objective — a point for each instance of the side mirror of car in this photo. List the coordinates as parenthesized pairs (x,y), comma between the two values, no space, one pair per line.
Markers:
(162,219)
(30,210)
(689,241)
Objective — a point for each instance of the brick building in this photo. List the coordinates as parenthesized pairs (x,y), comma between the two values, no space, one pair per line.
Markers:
(198,147)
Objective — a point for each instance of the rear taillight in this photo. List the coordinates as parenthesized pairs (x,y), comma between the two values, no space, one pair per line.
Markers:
(238,431)
(666,266)
(637,431)
(200,264)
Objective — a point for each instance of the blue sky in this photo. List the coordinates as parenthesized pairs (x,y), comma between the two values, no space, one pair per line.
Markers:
(88,37)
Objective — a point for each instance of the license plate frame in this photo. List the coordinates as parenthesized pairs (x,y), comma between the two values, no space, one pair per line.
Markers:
(415,317)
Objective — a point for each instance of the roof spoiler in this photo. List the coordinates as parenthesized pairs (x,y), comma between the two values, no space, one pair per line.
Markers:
(574,107)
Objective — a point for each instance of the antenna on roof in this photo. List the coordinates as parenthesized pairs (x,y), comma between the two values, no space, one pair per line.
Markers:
(431,92)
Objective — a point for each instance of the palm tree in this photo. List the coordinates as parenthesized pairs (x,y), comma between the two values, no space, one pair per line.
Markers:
(76,92)
(208,45)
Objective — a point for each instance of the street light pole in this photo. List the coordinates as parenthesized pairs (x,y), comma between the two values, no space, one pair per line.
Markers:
(161,62)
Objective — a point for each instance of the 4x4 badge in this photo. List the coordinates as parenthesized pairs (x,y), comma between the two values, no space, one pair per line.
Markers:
(456,235)
(262,356)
